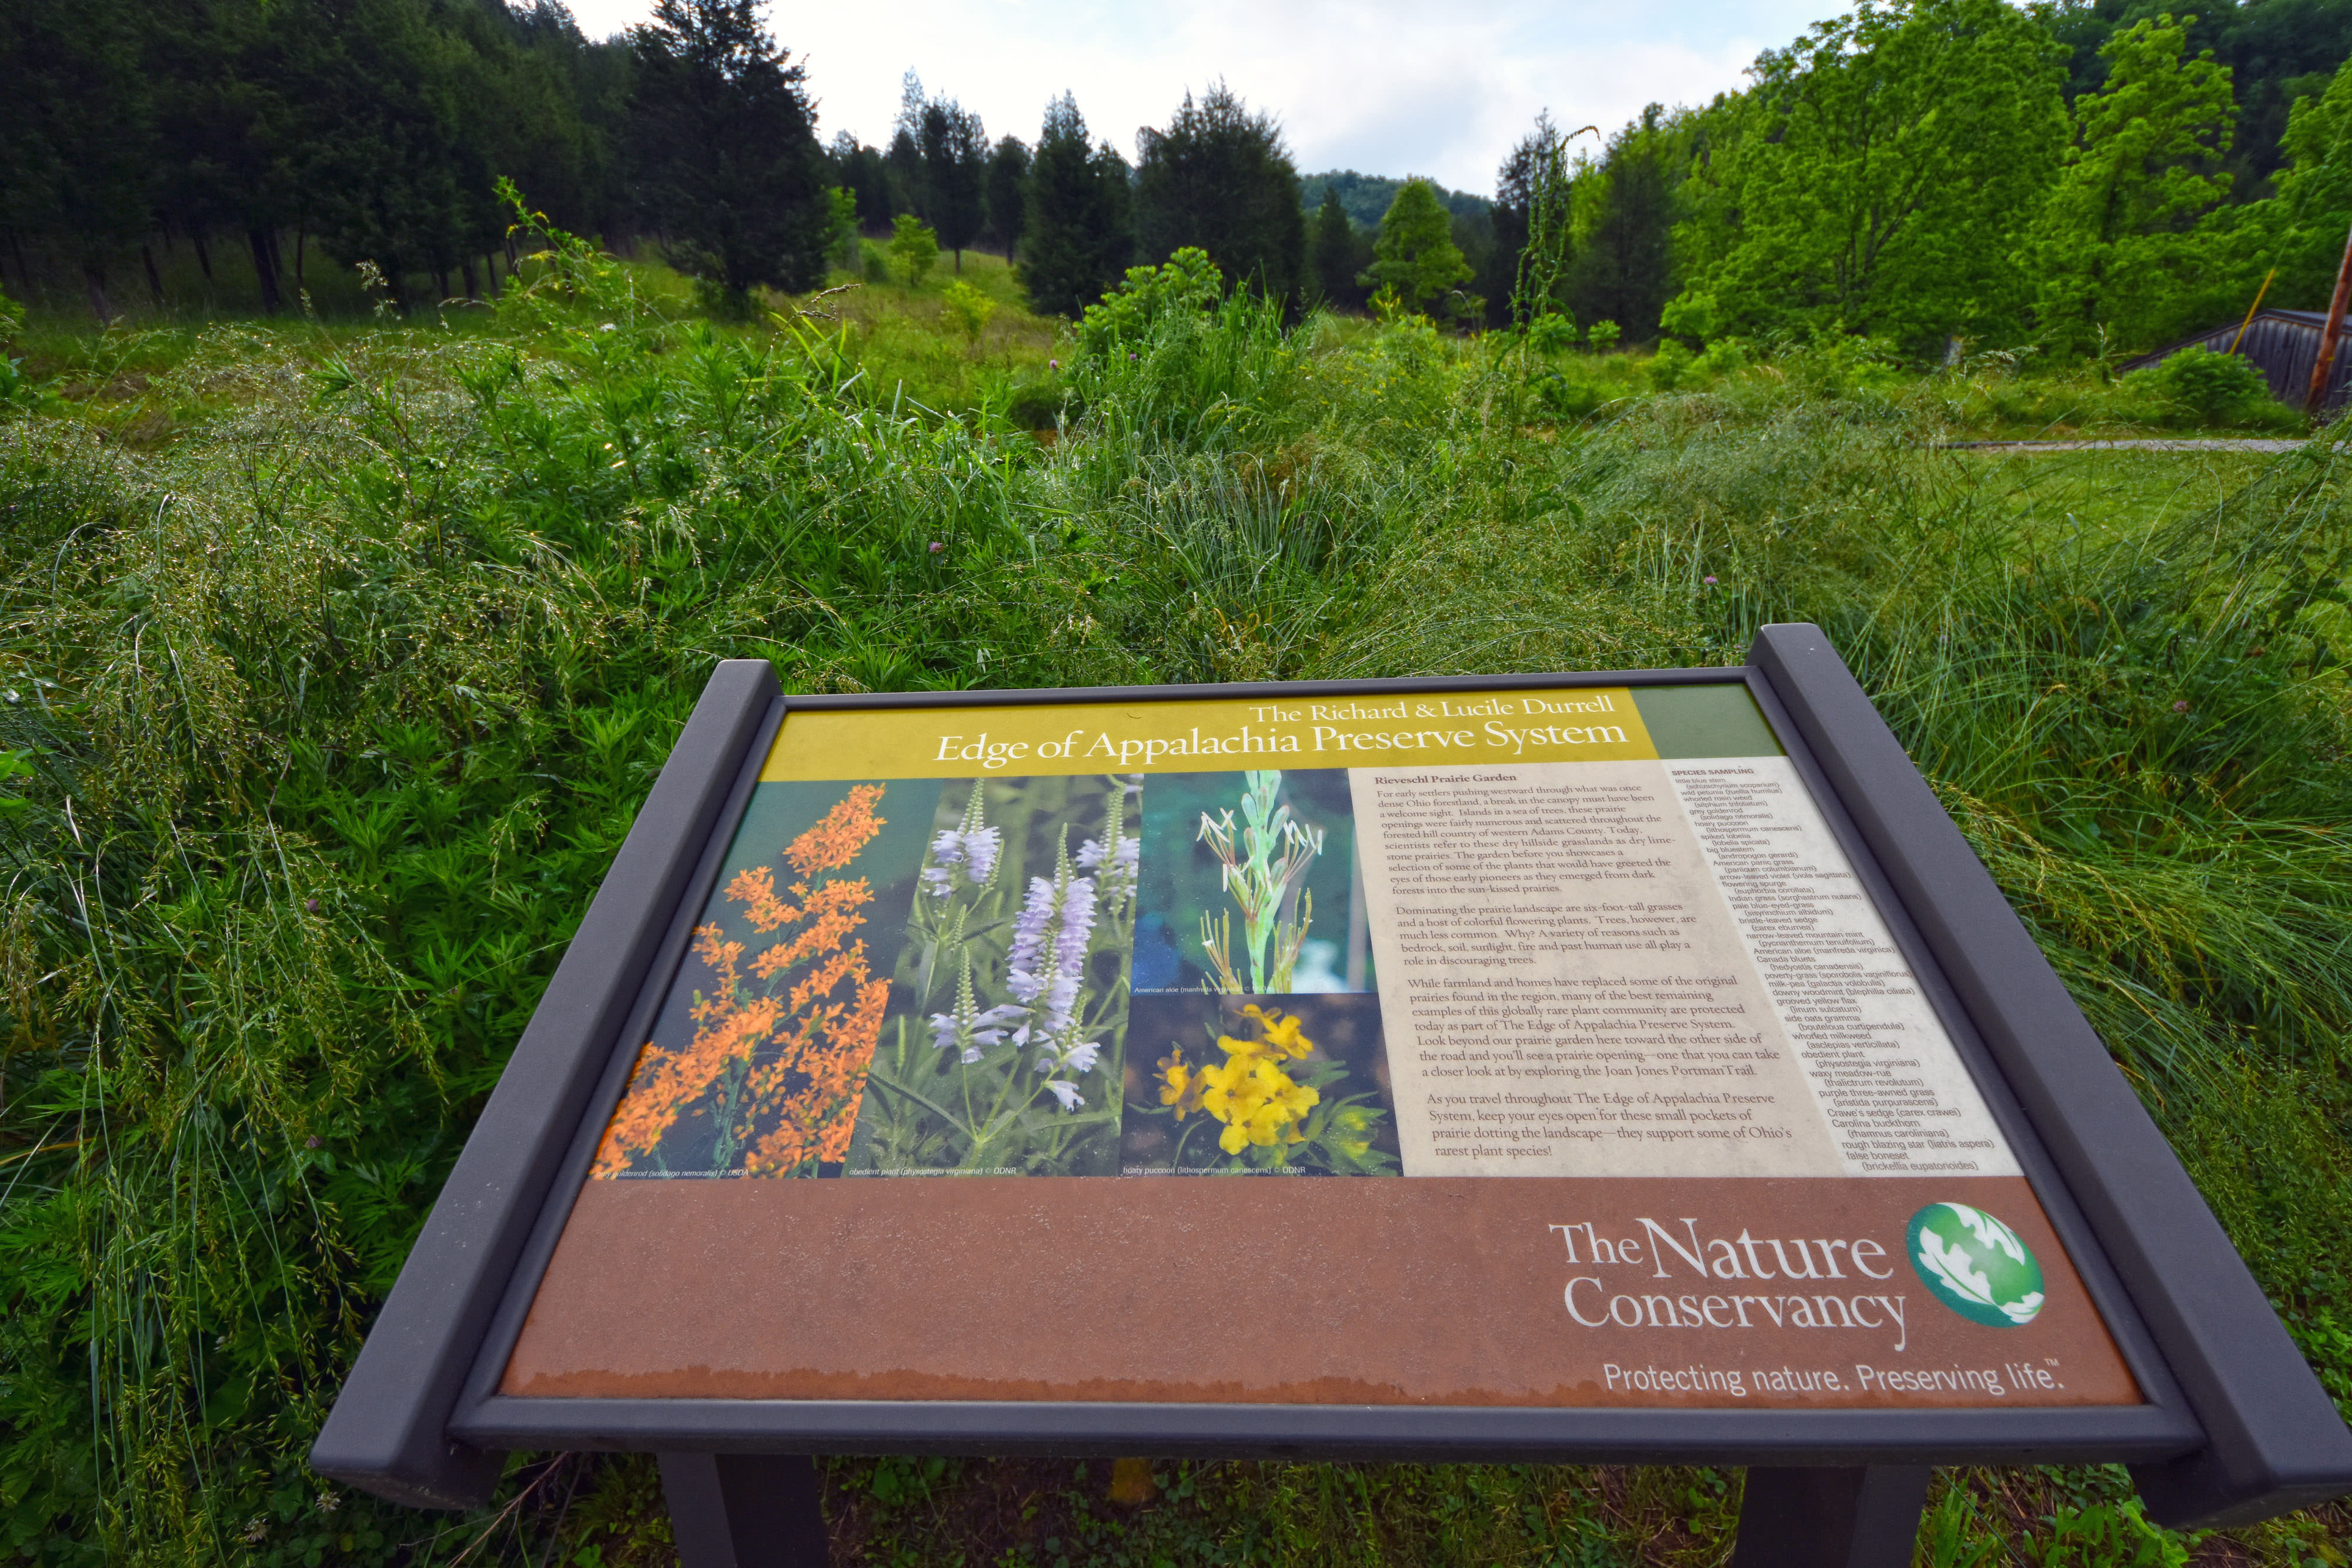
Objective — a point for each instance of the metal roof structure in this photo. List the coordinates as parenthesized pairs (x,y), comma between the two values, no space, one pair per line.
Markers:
(2282,344)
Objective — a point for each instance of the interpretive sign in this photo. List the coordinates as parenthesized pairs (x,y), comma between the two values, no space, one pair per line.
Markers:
(1585,1066)
(1599,940)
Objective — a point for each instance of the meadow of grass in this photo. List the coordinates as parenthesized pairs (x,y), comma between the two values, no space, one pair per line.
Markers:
(336,655)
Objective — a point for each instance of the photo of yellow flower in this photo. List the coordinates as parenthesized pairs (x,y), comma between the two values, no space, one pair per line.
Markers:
(1288,1085)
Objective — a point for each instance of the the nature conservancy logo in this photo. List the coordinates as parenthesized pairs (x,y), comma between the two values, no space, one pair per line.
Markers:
(1975,1265)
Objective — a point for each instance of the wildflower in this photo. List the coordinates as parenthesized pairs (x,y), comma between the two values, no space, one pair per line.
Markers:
(1047,966)
(1068,1093)
(1273,851)
(936,546)
(779,1067)
(1180,1083)
(970,1031)
(1259,1103)
(2181,707)
(967,850)
(312,904)
(1708,581)
(1053,364)
(311,1142)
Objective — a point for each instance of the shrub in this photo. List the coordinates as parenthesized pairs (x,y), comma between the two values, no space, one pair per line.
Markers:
(2208,388)
(1603,334)
(913,249)
(1551,331)
(1187,283)
(1669,364)
(1689,315)
(967,309)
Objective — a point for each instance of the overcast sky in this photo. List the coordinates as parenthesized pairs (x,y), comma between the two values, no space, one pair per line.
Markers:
(1378,85)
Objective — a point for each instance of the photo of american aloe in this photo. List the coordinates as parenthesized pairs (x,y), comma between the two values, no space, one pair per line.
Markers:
(1003,1046)
(1250,885)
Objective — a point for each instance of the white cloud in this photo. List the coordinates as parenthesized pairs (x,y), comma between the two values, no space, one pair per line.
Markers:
(1379,86)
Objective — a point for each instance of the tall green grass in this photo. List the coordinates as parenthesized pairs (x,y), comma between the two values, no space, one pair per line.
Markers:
(337,703)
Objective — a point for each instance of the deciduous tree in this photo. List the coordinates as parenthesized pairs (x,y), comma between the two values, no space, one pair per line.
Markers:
(1879,174)
(2116,250)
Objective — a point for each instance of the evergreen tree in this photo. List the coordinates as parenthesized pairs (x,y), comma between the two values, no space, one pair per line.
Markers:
(728,158)
(910,186)
(1076,238)
(860,170)
(77,153)
(1333,246)
(1219,178)
(1879,175)
(1623,268)
(954,147)
(1415,255)
(2114,248)
(1008,193)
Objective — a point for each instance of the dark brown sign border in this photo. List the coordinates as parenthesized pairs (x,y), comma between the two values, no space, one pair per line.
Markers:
(2236,1428)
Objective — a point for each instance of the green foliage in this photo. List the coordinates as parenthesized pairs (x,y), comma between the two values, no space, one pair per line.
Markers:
(951,192)
(1008,192)
(2302,228)
(1878,175)
(1533,213)
(1690,314)
(1603,334)
(1218,179)
(1187,284)
(1621,267)
(1415,255)
(968,308)
(914,250)
(841,232)
(2198,386)
(2120,264)
(1553,331)
(1332,253)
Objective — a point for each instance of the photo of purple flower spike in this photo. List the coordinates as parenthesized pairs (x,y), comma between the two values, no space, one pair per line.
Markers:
(964,855)
(1015,978)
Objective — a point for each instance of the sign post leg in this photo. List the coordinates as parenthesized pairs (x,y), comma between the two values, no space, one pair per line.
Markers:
(1858,1518)
(744,1511)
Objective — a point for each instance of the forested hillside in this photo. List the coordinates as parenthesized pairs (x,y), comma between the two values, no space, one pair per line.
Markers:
(2077,178)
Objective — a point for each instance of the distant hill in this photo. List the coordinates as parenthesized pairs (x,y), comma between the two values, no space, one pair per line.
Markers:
(1367,196)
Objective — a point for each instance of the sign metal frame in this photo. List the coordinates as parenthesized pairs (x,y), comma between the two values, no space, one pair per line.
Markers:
(2235,1427)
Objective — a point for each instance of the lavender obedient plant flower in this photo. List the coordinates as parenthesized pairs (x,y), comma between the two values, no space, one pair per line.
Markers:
(971,1031)
(964,855)
(1047,969)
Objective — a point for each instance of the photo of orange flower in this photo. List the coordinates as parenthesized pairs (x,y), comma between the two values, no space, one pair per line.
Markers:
(783,1000)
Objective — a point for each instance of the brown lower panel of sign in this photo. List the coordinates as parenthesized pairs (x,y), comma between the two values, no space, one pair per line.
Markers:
(1299,1291)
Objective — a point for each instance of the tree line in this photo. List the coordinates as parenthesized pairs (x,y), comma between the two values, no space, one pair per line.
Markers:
(2083,173)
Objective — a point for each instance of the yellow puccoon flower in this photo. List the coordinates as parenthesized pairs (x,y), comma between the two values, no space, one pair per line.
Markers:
(1180,1083)
(1258,1102)
(1282,1034)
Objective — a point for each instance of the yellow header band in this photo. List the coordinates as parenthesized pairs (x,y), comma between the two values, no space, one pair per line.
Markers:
(1588,724)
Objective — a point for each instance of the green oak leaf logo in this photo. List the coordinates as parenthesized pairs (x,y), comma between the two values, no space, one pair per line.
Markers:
(1975,1265)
